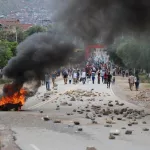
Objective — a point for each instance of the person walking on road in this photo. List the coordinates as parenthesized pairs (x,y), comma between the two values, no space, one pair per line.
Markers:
(47,81)
(102,75)
(93,77)
(75,77)
(99,77)
(83,76)
(109,80)
(53,78)
(137,82)
(105,77)
(131,81)
(65,75)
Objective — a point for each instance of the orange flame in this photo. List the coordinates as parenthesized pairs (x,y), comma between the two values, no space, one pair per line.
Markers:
(17,97)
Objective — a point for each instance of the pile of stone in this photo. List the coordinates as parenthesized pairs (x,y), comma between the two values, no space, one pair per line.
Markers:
(143,96)
(82,93)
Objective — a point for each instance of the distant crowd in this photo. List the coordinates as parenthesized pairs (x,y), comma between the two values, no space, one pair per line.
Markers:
(91,72)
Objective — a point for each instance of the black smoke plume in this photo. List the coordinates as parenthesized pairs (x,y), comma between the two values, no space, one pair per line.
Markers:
(90,19)
(36,55)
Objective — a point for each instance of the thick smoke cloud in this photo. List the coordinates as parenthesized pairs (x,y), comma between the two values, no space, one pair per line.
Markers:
(90,19)
(37,53)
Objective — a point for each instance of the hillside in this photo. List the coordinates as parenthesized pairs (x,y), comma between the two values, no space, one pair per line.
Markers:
(6,6)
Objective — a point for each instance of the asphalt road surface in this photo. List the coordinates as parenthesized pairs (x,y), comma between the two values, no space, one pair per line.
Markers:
(33,133)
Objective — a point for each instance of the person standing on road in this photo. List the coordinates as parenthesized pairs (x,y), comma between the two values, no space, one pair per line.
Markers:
(65,76)
(105,77)
(47,81)
(102,75)
(109,80)
(93,77)
(78,75)
(53,78)
(137,82)
(131,81)
(83,76)
(75,77)
(99,77)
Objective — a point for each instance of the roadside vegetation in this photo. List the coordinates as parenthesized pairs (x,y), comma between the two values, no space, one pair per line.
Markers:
(4,81)
(8,45)
(131,53)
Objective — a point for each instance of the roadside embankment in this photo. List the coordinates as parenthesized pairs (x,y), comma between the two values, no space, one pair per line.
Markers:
(141,97)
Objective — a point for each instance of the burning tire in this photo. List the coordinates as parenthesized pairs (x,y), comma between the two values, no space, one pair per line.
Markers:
(9,107)
(12,99)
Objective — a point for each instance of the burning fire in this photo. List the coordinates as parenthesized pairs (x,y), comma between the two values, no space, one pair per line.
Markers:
(11,96)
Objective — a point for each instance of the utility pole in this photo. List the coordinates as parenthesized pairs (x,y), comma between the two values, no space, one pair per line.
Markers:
(16,35)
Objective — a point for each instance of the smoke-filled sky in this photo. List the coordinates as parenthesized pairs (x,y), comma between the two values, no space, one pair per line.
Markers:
(90,19)
(38,52)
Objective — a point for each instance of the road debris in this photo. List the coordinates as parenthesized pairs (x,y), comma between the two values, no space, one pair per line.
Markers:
(115,132)
(57,121)
(145,129)
(129,132)
(91,148)
(76,122)
(46,118)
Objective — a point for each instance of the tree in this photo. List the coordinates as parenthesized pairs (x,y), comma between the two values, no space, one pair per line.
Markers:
(34,29)
(132,52)
(7,50)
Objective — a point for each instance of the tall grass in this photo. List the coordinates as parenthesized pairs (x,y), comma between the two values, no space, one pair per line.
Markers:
(144,78)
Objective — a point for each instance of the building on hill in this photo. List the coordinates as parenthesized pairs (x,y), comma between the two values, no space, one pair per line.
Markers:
(12,24)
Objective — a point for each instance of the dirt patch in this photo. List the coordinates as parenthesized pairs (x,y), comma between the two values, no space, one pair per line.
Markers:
(141,97)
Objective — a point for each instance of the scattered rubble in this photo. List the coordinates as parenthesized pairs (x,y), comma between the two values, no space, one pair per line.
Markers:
(64,103)
(41,111)
(129,132)
(57,121)
(145,129)
(111,137)
(107,125)
(70,104)
(91,148)
(115,132)
(73,99)
(144,122)
(74,110)
(46,118)
(76,122)
(130,124)
(80,129)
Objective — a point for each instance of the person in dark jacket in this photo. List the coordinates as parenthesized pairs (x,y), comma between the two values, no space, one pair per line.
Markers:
(99,77)
(137,82)
(109,80)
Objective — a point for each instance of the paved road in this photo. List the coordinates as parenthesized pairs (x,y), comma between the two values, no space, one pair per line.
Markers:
(33,133)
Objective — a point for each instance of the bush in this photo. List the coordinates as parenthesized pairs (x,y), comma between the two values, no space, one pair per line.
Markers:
(4,81)
(144,78)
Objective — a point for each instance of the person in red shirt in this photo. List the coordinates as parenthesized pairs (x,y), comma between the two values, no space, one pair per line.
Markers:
(105,77)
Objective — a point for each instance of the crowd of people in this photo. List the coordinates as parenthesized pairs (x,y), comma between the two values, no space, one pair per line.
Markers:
(96,75)
(87,74)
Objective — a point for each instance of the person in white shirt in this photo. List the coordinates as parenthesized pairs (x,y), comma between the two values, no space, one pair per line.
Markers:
(102,75)
(131,81)
(83,76)
(75,77)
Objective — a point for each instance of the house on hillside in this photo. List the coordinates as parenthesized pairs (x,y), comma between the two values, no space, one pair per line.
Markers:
(12,24)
